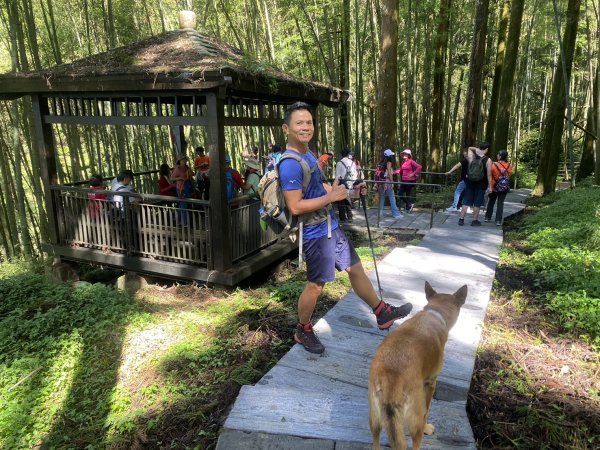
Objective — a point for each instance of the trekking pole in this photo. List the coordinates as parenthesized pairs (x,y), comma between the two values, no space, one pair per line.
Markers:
(364,205)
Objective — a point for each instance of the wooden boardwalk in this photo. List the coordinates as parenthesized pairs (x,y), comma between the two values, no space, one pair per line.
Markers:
(320,402)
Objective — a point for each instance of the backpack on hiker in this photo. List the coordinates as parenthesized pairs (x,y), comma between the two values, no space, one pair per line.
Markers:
(503,182)
(476,168)
(232,186)
(274,212)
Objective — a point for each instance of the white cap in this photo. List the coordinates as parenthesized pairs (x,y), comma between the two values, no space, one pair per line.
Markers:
(407,150)
(388,152)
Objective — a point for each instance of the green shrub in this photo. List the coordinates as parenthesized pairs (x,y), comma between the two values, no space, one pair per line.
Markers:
(564,258)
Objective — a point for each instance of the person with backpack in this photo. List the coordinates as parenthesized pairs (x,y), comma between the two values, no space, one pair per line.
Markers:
(346,170)
(384,177)
(234,181)
(325,246)
(409,173)
(478,182)
(501,171)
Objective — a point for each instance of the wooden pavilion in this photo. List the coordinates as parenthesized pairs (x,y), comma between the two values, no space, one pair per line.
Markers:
(179,78)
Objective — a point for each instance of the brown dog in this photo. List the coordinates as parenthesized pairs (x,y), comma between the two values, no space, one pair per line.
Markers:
(405,368)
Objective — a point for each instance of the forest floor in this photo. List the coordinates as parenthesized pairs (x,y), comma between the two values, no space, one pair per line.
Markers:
(164,366)
(534,384)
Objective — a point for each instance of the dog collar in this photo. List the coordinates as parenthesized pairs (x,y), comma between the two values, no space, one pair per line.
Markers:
(437,314)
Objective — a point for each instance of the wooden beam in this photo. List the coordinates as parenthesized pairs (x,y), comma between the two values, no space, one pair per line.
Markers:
(173,270)
(220,217)
(252,122)
(125,120)
(47,152)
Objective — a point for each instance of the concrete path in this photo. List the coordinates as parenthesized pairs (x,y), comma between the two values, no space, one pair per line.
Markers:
(320,402)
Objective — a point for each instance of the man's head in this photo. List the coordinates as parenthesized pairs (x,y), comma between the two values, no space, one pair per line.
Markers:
(298,124)
(200,151)
(485,146)
(346,153)
(124,178)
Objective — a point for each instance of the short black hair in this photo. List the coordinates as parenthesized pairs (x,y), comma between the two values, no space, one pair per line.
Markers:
(502,155)
(200,149)
(96,180)
(345,152)
(298,106)
(484,145)
(276,148)
(123,175)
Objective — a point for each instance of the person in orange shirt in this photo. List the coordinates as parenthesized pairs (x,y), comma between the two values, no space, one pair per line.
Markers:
(201,165)
(501,171)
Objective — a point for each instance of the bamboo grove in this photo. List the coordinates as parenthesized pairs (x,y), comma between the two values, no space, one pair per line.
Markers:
(432,75)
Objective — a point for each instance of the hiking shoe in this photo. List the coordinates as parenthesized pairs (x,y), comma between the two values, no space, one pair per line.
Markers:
(397,216)
(476,223)
(306,336)
(498,223)
(451,209)
(461,222)
(410,208)
(487,219)
(387,314)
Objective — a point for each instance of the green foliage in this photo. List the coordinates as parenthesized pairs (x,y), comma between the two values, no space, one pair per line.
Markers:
(564,258)
(59,350)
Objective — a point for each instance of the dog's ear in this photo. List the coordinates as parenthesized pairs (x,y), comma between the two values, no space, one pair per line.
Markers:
(461,295)
(429,291)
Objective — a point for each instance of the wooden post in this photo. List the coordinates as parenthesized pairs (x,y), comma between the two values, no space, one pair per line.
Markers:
(45,142)
(219,207)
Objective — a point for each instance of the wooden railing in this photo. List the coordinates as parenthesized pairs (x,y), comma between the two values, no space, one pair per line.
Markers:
(150,226)
(247,235)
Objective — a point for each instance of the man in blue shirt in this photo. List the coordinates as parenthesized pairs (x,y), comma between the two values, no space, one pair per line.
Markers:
(326,247)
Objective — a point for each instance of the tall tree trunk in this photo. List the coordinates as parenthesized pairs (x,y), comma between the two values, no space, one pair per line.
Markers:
(345,72)
(441,48)
(500,52)
(586,166)
(24,235)
(508,77)
(555,118)
(387,85)
(474,91)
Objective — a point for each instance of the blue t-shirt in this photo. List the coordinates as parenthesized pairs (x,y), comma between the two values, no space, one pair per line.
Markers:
(291,177)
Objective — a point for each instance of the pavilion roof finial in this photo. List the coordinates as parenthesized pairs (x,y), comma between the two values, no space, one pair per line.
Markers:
(187,20)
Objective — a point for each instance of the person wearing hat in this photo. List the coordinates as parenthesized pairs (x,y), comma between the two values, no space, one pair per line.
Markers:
(409,171)
(251,177)
(386,188)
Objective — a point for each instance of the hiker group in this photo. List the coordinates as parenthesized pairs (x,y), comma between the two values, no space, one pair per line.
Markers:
(483,184)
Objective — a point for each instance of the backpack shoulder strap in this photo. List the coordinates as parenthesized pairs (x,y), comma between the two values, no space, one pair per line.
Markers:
(306,170)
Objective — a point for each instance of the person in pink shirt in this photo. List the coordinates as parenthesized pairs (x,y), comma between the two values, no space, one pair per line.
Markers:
(409,173)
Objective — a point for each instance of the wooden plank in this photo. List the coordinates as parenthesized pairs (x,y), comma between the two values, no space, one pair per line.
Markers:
(311,413)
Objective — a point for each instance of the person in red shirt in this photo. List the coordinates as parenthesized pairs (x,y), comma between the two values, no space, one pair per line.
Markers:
(96,200)
(500,169)
(165,186)
(409,173)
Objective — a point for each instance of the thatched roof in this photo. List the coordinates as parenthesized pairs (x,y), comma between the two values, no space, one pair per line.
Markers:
(182,59)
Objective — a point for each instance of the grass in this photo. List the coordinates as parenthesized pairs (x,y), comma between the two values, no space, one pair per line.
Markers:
(93,367)
(536,382)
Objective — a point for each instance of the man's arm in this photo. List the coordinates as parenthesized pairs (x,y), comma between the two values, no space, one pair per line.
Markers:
(489,174)
(299,205)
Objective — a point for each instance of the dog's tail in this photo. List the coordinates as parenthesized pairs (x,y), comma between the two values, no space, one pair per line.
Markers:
(387,413)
